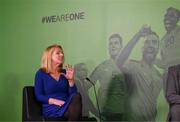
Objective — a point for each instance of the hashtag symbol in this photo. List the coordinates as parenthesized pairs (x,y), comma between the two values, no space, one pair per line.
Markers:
(43,20)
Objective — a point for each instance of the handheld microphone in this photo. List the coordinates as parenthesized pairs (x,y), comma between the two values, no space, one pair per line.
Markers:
(95,96)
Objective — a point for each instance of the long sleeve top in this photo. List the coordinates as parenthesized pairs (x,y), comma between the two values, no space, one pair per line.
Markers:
(47,87)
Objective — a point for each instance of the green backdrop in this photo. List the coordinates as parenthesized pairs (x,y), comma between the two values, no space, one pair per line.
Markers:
(23,37)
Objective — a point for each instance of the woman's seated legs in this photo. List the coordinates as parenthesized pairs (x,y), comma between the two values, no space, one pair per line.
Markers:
(74,110)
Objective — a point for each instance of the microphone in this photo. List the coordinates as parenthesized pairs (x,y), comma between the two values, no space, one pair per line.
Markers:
(95,97)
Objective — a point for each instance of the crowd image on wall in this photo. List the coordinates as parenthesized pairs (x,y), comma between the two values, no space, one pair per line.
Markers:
(129,88)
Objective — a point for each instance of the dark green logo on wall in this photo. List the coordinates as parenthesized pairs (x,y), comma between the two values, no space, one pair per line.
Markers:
(63,17)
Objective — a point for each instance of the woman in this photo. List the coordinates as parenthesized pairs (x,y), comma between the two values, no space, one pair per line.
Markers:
(55,87)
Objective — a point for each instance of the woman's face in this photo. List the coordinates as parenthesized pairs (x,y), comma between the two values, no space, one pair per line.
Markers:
(57,56)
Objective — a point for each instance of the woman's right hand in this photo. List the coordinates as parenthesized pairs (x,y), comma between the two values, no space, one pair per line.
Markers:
(56,101)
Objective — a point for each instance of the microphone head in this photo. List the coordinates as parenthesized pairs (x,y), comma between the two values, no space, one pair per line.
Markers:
(88,79)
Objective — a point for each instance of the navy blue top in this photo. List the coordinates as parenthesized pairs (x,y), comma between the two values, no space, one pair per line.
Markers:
(47,87)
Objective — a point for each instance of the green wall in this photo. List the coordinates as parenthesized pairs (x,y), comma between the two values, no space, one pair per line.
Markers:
(23,37)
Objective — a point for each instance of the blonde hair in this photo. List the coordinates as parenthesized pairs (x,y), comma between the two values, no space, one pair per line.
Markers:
(46,60)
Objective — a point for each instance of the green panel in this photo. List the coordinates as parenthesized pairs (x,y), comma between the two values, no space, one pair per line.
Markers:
(23,38)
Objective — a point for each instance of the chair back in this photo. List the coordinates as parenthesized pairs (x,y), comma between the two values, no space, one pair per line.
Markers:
(31,107)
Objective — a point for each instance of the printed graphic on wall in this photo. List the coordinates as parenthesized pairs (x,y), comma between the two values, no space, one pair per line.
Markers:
(123,48)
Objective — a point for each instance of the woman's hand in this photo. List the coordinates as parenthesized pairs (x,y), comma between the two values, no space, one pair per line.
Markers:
(70,74)
(56,101)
